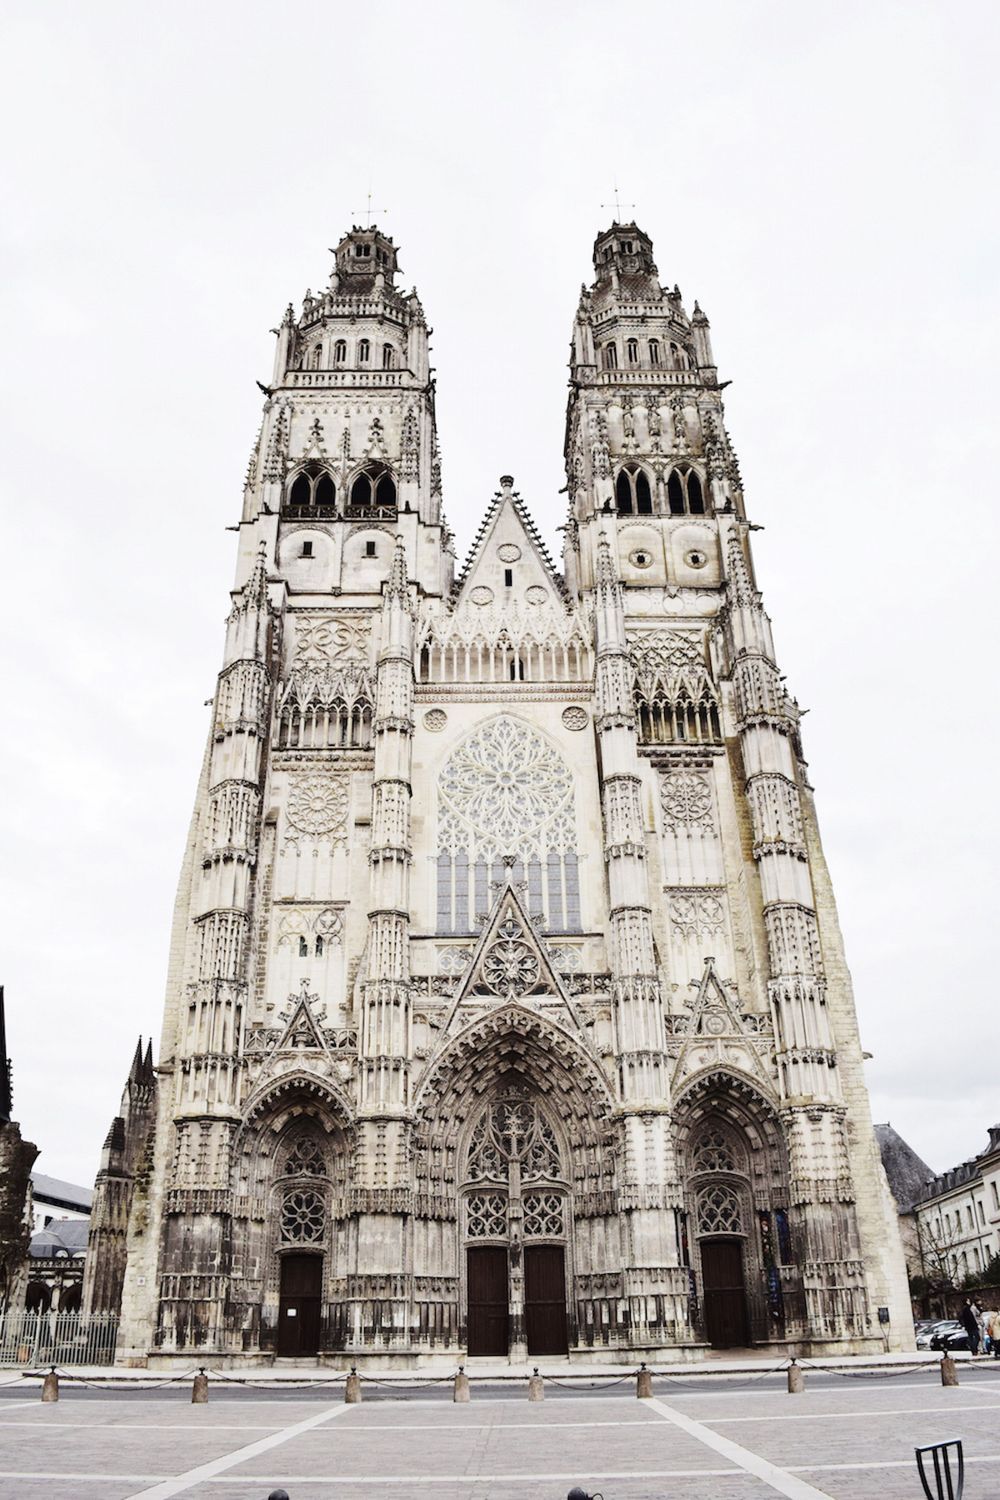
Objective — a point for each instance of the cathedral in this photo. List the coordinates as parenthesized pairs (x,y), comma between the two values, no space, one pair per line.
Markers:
(507,1010)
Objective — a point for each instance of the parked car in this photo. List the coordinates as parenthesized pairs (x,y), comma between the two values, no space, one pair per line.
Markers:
(928,1328)
(949,1336)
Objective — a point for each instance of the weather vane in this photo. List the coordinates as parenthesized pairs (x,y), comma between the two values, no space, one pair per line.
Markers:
(369,211)
(617,206)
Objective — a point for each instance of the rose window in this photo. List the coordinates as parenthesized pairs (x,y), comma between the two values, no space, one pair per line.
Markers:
(686,798)
(318,804)
(303,1218)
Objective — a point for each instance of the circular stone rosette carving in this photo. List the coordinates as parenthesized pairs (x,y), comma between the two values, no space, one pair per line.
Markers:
(535,594)
(317,805)
(481,595)
(508,552)
(435,719)
(575,717)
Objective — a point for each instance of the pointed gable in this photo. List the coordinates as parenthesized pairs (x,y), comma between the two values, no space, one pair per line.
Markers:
(511,964)
(508,540)
(303,1032)
(716,1034)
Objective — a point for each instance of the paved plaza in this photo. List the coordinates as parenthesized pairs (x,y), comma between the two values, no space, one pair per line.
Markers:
(848,1437)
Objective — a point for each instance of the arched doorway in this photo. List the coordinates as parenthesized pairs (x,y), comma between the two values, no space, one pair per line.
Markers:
(292,1164)
(516,1235)
(735,1240)
(515,1217)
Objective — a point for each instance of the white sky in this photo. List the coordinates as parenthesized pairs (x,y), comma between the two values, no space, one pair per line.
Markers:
(821,177)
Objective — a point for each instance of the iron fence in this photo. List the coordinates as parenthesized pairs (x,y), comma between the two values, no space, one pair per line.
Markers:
(57,1338)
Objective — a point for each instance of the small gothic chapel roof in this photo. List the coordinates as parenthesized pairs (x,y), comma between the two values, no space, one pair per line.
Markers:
(908,1173)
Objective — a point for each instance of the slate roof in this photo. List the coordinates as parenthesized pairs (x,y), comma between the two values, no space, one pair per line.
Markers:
(907,1172)
(62,1194)
(66,1236)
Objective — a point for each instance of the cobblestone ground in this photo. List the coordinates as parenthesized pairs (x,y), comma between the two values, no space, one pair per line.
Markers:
(848,1439)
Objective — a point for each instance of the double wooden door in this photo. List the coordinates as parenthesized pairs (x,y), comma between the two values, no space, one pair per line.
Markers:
(544,1299)
(727,1325)
(300,1305)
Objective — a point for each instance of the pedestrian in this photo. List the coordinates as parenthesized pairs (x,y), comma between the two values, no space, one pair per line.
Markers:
(970,1323)
(993,1328)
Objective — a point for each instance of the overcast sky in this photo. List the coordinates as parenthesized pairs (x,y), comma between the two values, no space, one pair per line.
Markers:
(821,177)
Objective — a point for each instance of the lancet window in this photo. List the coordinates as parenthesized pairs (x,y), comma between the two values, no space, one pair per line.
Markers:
(326,708)
(685,495)
(364,351)
(373,492)
(632,492)
(388,357)
(311,493)
(506,812)
(675,698)
(514,1148)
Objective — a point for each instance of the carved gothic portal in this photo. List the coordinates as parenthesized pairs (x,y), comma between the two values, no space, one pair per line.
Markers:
(736,1239)
(515,1229)
(515,1215)
(292,1170)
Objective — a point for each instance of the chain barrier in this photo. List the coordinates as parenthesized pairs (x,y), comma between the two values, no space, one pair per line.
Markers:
(595,1385)
(731,1385)
(883,1374)
(405,1385)
(95,1383)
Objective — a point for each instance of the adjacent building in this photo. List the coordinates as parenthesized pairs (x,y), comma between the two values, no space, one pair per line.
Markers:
(507,1010)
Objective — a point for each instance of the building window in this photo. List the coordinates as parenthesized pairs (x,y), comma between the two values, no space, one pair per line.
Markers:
(374,489)
(654,352)
(610,356)
(311,493)
(508,578)
(506,812)
(340,352)
(317,356)
(369,549)
(388,357)
(364,351)
(632,492)
(632,351)
(685,496)
(307,549)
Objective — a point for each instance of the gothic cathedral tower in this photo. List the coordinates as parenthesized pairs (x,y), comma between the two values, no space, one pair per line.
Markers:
(507,1011)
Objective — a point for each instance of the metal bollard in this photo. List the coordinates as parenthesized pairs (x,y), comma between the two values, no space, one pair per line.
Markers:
(643,1382)
(461,1391)
(536,1387)
(949,1374)
(199,1390)
(50,1386)
(796,1379)
(352,1387)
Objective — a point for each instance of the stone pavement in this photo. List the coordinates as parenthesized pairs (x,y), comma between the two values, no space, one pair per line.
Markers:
(731,1438)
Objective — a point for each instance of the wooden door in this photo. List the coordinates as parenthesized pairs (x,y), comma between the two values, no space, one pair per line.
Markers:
(545,1299)
(726,1322)
(489,1309)
(299,1305)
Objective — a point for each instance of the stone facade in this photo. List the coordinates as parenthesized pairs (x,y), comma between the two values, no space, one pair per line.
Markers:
(507,1009)
(17,1157)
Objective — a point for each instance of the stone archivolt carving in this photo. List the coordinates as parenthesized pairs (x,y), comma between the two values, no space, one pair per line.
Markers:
(317,809)
(686,800)
(332,637)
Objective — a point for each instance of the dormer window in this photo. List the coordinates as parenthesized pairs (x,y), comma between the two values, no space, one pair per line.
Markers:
(364,351)
(340,352)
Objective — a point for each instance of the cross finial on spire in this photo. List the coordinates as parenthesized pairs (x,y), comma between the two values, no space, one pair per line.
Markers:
(369,210)
(617,205)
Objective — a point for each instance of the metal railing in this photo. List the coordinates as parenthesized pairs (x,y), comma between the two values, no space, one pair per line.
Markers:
(58,1338)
